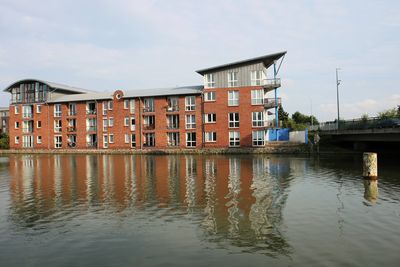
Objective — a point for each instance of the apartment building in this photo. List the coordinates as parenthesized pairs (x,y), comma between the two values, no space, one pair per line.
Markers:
(233,108)
(4,117)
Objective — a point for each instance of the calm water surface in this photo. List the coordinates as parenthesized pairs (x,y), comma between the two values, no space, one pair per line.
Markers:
(117,210)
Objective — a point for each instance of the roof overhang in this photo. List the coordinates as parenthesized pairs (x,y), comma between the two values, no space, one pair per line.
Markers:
(56,86)
(267,60)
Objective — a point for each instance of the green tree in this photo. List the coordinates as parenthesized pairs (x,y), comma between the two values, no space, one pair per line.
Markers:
(283,115)
(4,141)
(300,118)
(387,114)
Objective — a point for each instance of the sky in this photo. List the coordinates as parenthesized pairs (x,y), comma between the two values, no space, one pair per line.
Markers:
(105,45)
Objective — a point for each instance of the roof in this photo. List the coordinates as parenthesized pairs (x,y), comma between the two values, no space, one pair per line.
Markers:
(184,90)
(50,84)
(4,108)
(267,60)
(82,97)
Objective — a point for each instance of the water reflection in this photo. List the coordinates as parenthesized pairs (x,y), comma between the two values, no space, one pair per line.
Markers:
(371,190)
(238,199)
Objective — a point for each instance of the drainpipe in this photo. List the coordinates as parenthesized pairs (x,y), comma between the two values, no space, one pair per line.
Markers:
(276,99)
(97,125)
(202,118)
(140,123)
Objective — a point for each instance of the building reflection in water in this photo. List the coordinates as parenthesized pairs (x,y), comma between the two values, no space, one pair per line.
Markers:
(239,199)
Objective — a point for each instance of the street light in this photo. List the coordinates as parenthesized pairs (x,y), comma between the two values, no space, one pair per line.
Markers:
(337,95)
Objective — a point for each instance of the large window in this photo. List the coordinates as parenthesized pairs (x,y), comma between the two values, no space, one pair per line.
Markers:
(257,97)
(126,121)
(150,140)
(58,141)
(233,120)
(258,138)
(105,125)
(209,80)
(110,105)
(190,103)
(232,79)
(209,96)
(110,122)
(105,141)
(257,77)
(173,103)
(27,111)
(133,140)
(105,104)
(148,104)
(210,137)
(72,109)
(57,126)
(173,139)
(190,121)
(127,138)
(126,104)
(173,121)
(233,98)
(132,106)
(210,118)
(149,122)
(258,119)
(133,123)
(91,108)
(111,138)
(191,139)
(234,139)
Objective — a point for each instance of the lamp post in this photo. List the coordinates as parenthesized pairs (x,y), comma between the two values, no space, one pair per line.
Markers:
(337,95)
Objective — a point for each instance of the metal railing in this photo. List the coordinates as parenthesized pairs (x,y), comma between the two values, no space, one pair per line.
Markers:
(27,129)
(91,144)
(27,115)
(148,126)
(71,113)
(172,108)
(272,102)
(71,129)
(91,112)
(91,128)
(172,126)
(148,109)
(273,83)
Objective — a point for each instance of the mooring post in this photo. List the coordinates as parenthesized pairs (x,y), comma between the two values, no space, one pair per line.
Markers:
(370,165)
(371,190)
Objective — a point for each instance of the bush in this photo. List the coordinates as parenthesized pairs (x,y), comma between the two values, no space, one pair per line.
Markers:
(4,141)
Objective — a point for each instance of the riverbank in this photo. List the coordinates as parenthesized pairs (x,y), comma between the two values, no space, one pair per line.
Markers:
(271,148)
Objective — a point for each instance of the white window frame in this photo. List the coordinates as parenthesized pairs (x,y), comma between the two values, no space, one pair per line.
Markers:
(191,143)
(232,122)
(105,141)
(190,103)
(126,103)
(232,79)
(105,125)
(133,140)
(39,139)
(257,97)
(210,137)
(126,121)
(57,141)
(127,138)
(110,105)
(210,96)
(132,106)
(133,125)
(257,77)
(210,118)
(171,141)
(256,140)
(37,124)
(234,139)
(111,138)
(57,110)
(16,125)
(38,108)
(105,106)
(209,80)
(110,122)
(257,119)
(57,126)
(72,109)
(190,121)
(233,98)
(16,140)
(16,109)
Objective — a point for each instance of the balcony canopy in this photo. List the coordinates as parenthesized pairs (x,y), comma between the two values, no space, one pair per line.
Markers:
(55,86)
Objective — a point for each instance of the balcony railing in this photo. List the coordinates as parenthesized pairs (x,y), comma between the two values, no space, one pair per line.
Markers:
(272,83)
(27,115)
(272,102)
(148,126)
(71,129)
(91,112)
(172,108)
(27,130)
(91,128)
(71,113)
(91,144)
(173,126)
(148,109)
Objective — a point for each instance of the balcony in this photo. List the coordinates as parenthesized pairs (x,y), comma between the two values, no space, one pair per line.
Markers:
(91,112)
(148,109)
(172,108)
(27,130)
(71,129)
(91,144)
(272,102)
(173,126)
(271,83)
(91,128)
(73,113)
(148,127)
(27,115)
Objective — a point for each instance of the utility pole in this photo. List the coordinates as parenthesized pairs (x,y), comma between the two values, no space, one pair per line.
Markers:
(337,96)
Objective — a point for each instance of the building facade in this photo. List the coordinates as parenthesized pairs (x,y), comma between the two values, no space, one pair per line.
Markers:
(4,118)
(233,108)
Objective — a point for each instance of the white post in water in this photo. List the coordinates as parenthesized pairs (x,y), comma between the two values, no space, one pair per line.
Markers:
(370,165)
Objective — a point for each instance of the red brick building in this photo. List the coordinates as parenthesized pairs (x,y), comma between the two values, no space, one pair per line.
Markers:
(232,109)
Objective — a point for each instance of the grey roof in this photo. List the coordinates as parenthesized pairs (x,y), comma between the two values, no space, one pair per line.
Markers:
(4,108)
(268,60)
(50,84)
(184,90)
(81,97)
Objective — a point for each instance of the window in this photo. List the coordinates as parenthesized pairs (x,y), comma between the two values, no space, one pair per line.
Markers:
(149,122)
(209,96)
(27,126)
(110,105)
(132,106)
(150,140)
(190,103)
(209,80)
(232,79)
(58,141)
(191,139)
(110,122)
(16,125)
(111,138)
(173,139)
(39,139)
(256,77)
(234,139)
(27,141)
(257,97)
(173,121)
(133,140)
(71,139)
(38,109)
(16,140)
(190,121)
(258,138)
(126,121)
(91,108)
(258,119)
(233,98)
(133,123)
(127,138)
(72,109)
(148,104)
(126,104)
(16,110)
(39,124)
(210,137)
(57,110)
(104,108)
(57,126)
(173,104)
(105,141)
(91,124)
(233,120)
(210,118)
(105,125)
(27,111)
